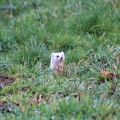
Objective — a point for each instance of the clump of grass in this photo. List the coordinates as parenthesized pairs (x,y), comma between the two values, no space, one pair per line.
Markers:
(32,52)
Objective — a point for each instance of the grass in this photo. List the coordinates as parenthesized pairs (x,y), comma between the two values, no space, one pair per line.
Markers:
(89,34)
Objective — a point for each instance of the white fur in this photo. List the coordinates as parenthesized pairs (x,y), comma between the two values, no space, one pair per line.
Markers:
(55,58)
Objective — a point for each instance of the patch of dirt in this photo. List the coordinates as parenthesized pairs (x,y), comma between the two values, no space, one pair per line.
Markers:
(5,80)
(6,107)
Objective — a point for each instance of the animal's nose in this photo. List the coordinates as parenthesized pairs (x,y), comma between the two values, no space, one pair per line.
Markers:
(61,58)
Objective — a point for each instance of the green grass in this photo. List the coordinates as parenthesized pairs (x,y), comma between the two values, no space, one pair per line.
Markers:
(89,34)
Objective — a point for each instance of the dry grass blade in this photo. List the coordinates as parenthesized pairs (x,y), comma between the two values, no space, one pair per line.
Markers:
(20,104)
(107,75)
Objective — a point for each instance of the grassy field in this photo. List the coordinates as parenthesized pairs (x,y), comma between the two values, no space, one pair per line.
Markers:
(88,31)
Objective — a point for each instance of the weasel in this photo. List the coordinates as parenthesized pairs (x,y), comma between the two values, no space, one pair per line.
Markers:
(57,62)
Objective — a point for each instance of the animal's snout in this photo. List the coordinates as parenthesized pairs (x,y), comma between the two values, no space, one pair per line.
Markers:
(61,58)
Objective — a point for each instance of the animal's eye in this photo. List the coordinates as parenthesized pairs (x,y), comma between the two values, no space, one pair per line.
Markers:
(57,56)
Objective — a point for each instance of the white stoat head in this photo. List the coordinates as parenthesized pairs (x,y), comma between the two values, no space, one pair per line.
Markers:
(58,57)
(55,58)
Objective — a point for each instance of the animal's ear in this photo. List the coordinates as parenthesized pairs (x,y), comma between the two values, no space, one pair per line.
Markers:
(52,54)
(62,52)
